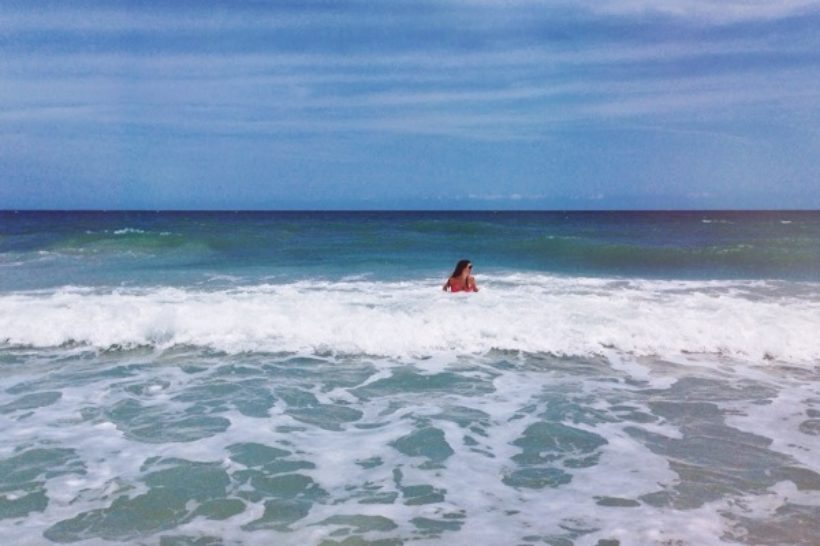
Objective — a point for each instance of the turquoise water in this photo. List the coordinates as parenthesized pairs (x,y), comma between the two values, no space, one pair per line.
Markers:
(300,378)
(49,249)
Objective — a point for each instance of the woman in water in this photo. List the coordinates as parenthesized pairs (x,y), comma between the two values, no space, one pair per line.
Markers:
(462,279)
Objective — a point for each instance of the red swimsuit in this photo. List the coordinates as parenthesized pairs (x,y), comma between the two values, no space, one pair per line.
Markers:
(459,287)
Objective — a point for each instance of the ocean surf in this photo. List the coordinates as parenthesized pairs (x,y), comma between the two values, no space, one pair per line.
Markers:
(302,379)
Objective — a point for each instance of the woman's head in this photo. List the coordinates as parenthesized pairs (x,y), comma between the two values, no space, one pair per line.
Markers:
(461,266)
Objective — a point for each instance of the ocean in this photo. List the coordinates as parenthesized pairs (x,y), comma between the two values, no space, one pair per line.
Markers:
(300,378)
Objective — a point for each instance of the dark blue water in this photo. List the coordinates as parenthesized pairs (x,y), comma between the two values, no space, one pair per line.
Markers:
(47,249)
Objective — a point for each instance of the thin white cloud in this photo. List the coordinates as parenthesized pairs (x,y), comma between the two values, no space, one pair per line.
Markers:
(496,113)
(717,11)
(451,63)
(505,197)
(485,14)
(199,20)
(710,10)
(500,92)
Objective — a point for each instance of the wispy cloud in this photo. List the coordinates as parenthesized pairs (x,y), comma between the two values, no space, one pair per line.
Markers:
(203,18)
(403,93)
(714,10)
(720,11)
(520,74)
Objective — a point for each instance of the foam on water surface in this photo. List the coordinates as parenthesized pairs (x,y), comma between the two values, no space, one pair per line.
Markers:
(504,447)
(207,379)
(569,316)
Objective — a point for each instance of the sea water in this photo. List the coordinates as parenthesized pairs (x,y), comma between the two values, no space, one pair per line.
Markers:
(301,378)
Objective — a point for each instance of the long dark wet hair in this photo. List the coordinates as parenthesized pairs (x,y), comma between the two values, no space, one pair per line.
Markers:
(460,266)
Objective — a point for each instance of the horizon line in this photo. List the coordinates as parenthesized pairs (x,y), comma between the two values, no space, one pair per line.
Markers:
(233,210)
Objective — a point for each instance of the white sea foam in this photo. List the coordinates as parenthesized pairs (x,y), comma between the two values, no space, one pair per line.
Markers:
(126,231)
(627,468)
(568,316)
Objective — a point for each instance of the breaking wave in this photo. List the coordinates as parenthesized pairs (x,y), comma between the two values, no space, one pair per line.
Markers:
(566,316)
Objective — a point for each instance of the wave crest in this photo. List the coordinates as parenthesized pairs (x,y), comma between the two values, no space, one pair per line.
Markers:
(568,316)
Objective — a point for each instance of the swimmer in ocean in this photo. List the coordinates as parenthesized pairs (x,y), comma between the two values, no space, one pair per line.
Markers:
(462,279)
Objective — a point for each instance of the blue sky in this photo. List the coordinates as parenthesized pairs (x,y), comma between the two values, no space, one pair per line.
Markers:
(449,104)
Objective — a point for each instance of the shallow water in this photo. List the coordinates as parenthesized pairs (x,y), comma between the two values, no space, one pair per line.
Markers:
(191,446)
(226,406)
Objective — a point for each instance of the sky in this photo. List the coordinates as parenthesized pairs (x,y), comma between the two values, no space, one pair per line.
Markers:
(406,104)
